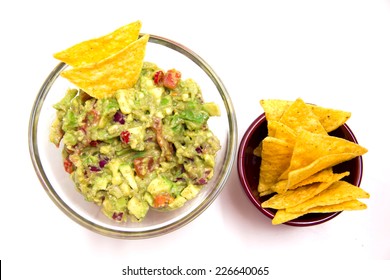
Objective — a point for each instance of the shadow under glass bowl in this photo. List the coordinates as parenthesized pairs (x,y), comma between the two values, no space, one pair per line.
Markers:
(47,160)
(248,166)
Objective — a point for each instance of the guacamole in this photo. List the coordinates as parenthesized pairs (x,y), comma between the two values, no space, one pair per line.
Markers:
(147,147)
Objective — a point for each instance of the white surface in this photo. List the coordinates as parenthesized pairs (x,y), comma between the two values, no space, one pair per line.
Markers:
(332,53)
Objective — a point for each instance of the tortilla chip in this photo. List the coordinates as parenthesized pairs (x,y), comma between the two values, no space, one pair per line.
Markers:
(299,195)
(118,71)
(257,150)
(338,192)
(329,118)
(97,49)
(324,175)
(274,108)
(297,176)
(314,152)
(299,116)
(282,216)
(281,131)
(343,206)
(275,158)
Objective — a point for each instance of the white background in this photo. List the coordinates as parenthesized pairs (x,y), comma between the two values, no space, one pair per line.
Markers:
(331,53)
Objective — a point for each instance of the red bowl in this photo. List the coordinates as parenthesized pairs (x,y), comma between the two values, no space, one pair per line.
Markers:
(248,166)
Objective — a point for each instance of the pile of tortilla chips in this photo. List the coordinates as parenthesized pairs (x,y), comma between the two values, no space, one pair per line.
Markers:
(297,159)
(103,65)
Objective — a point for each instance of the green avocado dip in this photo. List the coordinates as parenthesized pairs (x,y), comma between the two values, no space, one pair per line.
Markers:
(147,147)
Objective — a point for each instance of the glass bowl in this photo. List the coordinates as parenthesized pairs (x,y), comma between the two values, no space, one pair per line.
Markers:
(47,159)
(248,166)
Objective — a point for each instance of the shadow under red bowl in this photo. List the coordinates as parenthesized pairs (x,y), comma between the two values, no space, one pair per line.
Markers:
(248,166)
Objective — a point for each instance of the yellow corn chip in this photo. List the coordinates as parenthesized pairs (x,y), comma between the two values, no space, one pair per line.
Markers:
(282,216)
(118,71)
(257,150)
(275,158)
(329,118)
(299,195)
(324,175)
(299,116)
(338,192)
(298,175)
(281,131)
(343,206)
(97,49)
(314,152)
(274,108)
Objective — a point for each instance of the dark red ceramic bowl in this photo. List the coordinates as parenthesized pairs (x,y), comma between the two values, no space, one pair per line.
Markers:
(248,166)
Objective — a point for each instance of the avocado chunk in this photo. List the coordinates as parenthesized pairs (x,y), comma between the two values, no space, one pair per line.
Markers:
(138,208)
(128,174)
(159,185)
(190,191)
(177,203)
(211,108)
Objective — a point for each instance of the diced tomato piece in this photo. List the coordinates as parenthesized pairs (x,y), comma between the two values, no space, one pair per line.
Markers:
(171,78)
(158,78)
(162,200)
(125,136)
(68,165)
